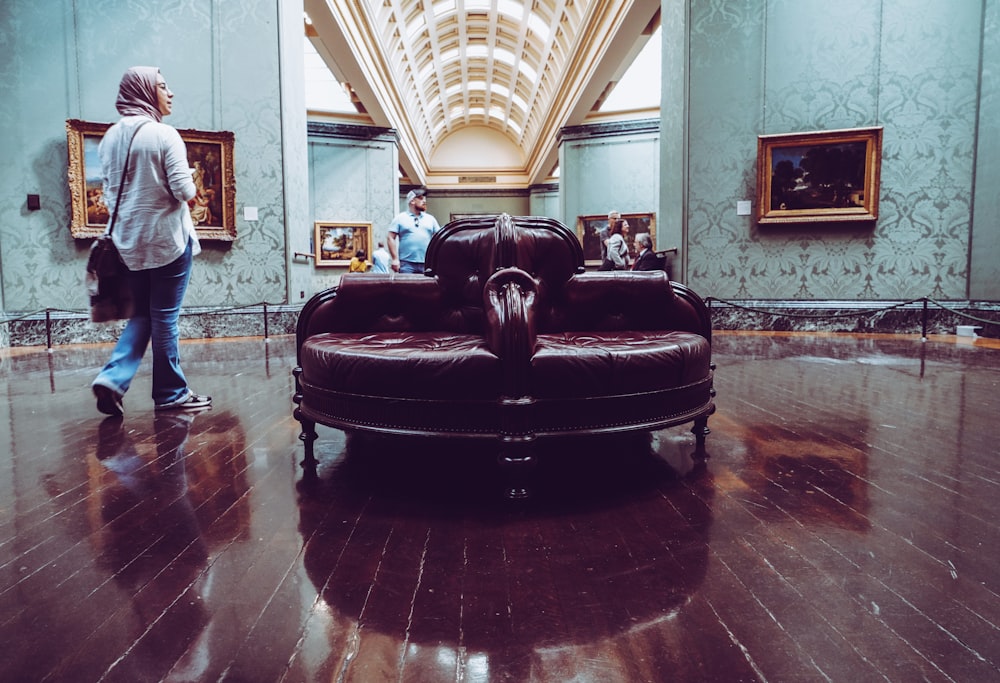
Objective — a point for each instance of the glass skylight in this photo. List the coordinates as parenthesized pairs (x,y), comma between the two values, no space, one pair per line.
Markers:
(323,92)
(639,87)
(477,62)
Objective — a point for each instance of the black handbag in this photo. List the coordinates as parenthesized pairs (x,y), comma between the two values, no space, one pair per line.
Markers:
(111,296)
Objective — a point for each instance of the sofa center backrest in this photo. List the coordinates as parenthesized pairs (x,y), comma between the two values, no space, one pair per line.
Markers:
(461,257)
(468,251)
(608,301)
(375,302)
(545,249)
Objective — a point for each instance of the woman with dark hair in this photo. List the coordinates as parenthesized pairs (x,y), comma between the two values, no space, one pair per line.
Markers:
(617,257)
(155,236)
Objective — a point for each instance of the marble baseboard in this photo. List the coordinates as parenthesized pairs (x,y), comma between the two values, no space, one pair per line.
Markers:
(63,329)
(885,318)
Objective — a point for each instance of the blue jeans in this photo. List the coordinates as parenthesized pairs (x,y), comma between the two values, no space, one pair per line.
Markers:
(158,296)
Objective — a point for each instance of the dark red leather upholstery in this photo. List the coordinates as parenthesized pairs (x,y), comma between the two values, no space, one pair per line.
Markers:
(507,337)
(574,364)
(430,365)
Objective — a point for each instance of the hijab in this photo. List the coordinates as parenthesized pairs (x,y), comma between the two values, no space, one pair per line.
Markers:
(137,94)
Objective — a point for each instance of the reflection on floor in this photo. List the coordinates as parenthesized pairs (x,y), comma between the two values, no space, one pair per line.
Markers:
(843,529)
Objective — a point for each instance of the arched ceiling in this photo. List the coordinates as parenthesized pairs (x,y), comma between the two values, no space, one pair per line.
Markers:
(439,69)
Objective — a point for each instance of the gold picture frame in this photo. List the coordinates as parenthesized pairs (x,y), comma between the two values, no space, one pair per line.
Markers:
(336,243)
(821,176)
(210,152)
(587,228)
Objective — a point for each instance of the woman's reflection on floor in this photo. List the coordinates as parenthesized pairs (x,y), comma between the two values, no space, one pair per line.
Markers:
(151,540)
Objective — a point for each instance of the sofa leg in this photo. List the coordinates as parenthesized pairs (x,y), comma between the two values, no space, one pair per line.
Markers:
(307,436)
(516,465)
(700,431)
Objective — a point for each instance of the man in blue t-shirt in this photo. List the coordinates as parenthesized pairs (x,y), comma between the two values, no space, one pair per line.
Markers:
(409,234)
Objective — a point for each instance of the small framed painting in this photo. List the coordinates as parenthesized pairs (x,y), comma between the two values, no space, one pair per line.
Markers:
(337,243)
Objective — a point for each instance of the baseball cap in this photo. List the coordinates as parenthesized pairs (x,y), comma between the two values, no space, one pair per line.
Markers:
(413,194)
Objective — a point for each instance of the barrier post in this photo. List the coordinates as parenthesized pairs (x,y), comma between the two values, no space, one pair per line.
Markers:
(923,323)
(266,339)
(48,330)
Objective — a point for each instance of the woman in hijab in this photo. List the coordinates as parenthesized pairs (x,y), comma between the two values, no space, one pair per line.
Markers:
(155,236)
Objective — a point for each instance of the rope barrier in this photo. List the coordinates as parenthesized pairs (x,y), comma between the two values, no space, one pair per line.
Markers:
(852,314)
(967,316)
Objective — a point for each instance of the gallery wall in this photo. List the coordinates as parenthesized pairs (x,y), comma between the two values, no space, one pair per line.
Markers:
(447,204)
(606,167)
(773,66)
(352,178)
(925,70)
(64,60)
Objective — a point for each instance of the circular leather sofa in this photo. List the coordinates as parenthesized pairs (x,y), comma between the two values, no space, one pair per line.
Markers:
(505,337)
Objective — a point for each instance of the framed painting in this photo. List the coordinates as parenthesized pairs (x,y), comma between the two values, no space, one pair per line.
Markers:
(210,156)
(337,243)
(588,229)
(819,177)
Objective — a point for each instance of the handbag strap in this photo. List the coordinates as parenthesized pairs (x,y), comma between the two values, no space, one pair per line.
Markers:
(121,183)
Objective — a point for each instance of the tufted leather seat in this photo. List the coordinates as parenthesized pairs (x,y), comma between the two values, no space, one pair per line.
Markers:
(504,337)
(575,364)
(425,365)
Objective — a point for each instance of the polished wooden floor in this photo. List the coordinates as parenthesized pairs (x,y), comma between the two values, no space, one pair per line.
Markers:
(845,529)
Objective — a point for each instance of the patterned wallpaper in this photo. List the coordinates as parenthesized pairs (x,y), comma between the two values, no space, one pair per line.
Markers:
(63,62)
(351,180)
(605,167)
(756,66)
(784,66)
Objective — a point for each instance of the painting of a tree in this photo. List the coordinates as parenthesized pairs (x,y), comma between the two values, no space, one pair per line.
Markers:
(823,176)
(819,176)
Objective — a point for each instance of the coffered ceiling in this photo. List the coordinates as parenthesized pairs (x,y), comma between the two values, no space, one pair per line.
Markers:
(478,90)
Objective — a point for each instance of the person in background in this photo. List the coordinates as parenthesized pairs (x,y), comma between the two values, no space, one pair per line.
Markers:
(155,237)
(604,234)
(410,233)
(359,264)
(618,254)
(646,260)
(380,259)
